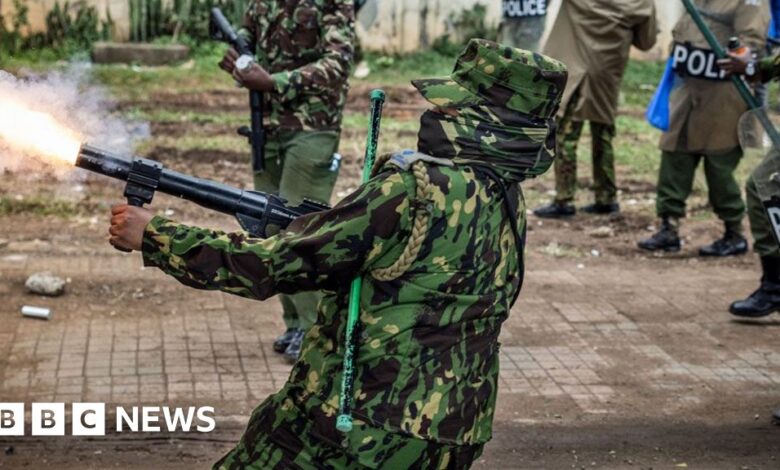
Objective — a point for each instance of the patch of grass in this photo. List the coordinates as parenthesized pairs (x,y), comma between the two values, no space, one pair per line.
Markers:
(636,147)
(37,205)
(558,250)
(201,73)
(640,82)
(400,69)
(186,116)
(360,121)
(227,143)
(37,60)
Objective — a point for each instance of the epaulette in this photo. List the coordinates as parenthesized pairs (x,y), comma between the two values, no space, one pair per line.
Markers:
(404,159)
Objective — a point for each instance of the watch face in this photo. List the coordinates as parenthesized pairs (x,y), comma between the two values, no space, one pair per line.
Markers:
(243,62)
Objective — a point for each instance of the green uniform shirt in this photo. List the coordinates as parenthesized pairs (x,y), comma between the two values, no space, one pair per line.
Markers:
(427,364)
(307,46)
(770,67)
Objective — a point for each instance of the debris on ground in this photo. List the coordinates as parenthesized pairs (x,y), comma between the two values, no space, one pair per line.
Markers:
(362,70)
(9,450)
(3,243)
(36,312)
(559,250)
(45,283)
(604,231)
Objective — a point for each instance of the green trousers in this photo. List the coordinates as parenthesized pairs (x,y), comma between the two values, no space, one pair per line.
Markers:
(604,184)
(298,167)
(764,242)
(675,182)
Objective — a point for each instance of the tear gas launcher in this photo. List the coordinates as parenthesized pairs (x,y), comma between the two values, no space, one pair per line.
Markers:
(254,210)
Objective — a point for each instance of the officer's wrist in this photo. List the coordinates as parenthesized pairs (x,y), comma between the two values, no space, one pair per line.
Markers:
(751,69)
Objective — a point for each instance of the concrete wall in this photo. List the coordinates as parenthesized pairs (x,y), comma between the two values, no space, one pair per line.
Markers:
(398,25)
(406,25)
(120,12)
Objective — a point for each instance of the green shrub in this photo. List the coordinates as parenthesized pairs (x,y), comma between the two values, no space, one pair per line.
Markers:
(70,28)
(467,24)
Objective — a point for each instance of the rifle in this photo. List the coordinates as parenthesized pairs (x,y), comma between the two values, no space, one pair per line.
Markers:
(253,209)
(221,30)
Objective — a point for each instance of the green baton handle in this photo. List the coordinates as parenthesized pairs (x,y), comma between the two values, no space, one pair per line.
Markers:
(344,420)
(738,82)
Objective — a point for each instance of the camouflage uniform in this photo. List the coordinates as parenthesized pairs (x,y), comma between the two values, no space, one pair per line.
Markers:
(426,373)
(765,243)
(307,47)
(602,153)
(763,187)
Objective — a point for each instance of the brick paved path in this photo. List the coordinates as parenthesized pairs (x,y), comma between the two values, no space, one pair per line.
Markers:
(607,339)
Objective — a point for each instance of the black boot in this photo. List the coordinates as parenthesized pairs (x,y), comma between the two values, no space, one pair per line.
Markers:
(766,300)
(556,210)
(731,244)
(294,349)
(599,208)
(283,341)
(665,239)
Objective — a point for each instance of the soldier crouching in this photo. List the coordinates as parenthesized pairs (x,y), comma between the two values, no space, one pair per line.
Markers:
(437,234)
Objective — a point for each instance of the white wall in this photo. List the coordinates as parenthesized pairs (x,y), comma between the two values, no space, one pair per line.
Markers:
(406,25)
(120,12)
(400,25)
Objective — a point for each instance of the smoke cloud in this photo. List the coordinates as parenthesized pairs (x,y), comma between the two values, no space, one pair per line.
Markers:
(83,107)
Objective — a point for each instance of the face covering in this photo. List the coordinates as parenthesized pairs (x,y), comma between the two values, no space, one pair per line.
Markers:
(514,145)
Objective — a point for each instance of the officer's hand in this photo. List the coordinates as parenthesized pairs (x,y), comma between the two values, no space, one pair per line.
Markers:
(127,226)
(736,64)
(255,78)
(228,62)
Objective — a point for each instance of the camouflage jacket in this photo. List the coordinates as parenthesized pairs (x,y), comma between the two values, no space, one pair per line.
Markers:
(307,46)
(770,67)
(427,361)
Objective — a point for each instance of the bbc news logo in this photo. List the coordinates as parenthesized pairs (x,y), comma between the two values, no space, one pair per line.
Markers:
(89,419)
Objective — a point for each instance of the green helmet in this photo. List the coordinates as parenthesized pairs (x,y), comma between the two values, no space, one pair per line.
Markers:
(489,74)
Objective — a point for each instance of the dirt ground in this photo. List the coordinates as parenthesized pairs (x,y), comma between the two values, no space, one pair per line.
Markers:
(641,366)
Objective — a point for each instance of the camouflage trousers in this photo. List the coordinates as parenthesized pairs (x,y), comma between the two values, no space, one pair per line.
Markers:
(523,33)
(297,167)
(764,240)
(675,183)
(603,155)
(280,437)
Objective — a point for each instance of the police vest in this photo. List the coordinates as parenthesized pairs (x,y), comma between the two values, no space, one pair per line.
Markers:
(524,8)
(689,61)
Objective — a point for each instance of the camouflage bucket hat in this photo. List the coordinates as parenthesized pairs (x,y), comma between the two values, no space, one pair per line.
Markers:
(488,73)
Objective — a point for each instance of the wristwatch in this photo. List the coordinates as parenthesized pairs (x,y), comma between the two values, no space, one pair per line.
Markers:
(243,62)
(750,69)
